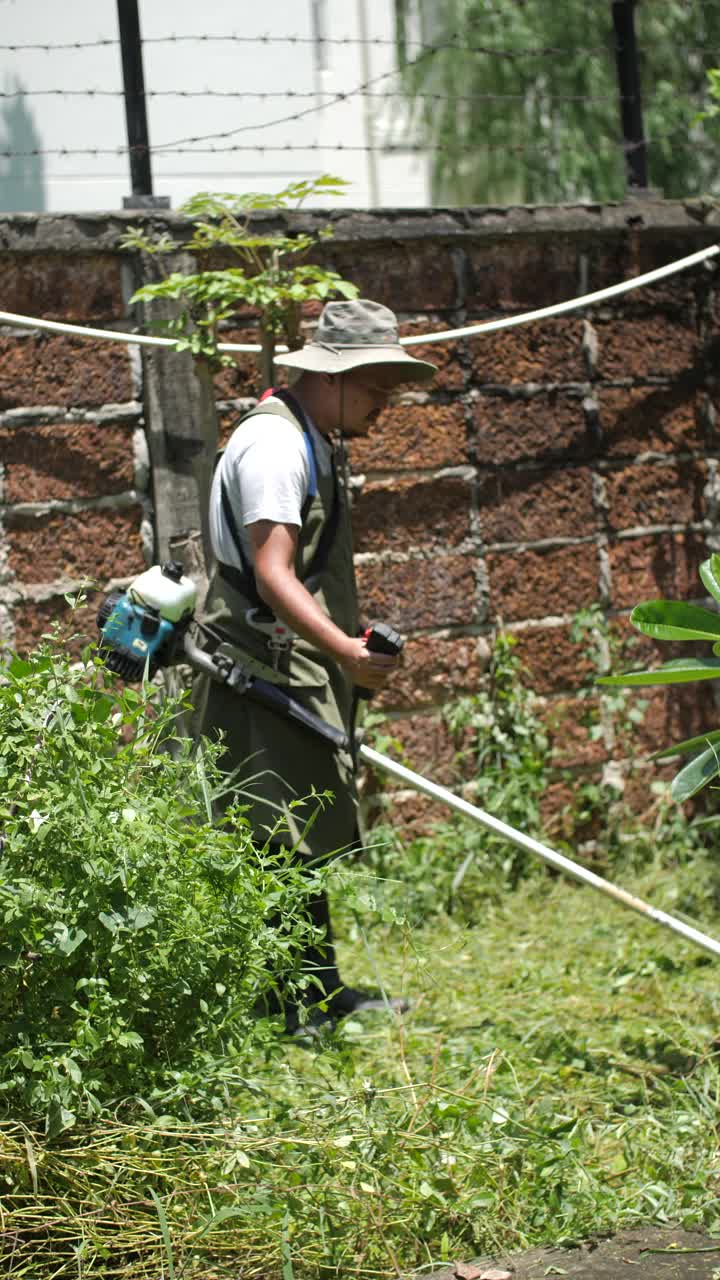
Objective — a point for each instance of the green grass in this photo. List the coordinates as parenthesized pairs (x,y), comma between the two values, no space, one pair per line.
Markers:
(557,1077)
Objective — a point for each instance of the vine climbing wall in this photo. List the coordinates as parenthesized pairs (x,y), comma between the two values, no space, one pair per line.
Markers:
(550,467)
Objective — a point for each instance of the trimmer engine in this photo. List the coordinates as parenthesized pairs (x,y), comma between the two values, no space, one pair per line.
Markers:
(142,628)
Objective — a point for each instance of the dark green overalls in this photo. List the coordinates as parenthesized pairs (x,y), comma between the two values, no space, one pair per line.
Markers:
(292,763)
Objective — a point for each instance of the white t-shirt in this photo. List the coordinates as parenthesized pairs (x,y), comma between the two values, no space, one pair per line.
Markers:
(266,471)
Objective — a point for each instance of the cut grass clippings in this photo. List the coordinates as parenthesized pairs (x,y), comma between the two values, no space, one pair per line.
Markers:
(557,1077)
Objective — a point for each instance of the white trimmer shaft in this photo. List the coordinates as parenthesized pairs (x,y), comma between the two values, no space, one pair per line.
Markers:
(554,859)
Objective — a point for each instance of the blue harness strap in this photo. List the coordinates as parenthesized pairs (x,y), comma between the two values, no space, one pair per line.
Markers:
(312,465)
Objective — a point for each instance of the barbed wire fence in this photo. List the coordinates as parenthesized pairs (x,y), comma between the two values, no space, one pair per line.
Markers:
(630,142)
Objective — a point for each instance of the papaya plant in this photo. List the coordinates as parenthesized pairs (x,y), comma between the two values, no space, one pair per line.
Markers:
(677,620)
(269,271)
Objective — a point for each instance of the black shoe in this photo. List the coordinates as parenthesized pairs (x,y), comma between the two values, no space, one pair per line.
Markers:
(349,1000)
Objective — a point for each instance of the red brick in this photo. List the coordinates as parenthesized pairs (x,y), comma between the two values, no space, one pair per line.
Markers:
(538,270)
(655,493)
(92,544)
(551,660)
(638,795)
(411,436)
(671,715)
(651,346)
(541,427)
(67,460)
(518,506)
(78,627)
(397,515)
(60,286)
(558,806)
(569,721)
(538,582)
(550,351)
(437,592)
(450,374)
(405,276)
(660,565)
(242,378)
(434,670)
(410,813)
(44,369)
(425,744)
(640,419)
(567,816)
(633,651)
(646,249)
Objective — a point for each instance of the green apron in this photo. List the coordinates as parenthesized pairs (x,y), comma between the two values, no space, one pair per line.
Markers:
(281,763)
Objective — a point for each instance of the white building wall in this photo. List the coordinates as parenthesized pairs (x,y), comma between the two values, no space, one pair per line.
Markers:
(326,140)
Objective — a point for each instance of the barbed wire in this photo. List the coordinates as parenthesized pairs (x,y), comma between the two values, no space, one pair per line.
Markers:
(542,51)
(287,119)
(310,93)
(388,148)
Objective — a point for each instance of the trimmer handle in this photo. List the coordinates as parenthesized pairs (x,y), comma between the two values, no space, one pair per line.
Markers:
(380,637)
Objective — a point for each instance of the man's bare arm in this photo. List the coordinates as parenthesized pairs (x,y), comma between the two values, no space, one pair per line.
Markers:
(274,547)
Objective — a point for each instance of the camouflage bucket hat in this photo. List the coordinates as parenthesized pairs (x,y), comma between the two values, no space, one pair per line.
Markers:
(353,334)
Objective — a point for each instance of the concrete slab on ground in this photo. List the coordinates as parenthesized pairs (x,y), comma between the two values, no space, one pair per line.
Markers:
(642,1253)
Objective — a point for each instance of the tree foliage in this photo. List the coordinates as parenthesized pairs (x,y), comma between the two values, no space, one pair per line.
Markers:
(526,107)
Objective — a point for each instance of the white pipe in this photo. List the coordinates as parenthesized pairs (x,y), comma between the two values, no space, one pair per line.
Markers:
(113,335)
(488,326)
(557,860)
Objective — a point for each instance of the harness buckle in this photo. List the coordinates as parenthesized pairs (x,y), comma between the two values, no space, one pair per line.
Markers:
(278,636)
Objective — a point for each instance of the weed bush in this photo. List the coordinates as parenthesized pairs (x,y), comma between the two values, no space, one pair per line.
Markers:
(502,760)
(136,931)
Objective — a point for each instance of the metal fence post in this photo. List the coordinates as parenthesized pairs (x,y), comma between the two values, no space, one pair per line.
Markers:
(628,71)
(135,113)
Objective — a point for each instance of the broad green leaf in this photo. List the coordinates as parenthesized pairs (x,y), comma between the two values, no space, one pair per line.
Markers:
(675,620)
(696,775)
(140,917)
(710,576)
(59,1118)
(690,744)
(19,668)
(678,671)
(68,940)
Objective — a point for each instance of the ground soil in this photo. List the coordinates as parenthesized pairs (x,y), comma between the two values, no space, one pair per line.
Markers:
(644,1253)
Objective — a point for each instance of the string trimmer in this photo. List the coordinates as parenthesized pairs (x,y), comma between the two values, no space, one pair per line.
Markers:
(147,627)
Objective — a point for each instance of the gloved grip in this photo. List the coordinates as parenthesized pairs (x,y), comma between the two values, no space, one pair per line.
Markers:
(380,637)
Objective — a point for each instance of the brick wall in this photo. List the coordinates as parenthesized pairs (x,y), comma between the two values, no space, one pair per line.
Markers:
(549,467)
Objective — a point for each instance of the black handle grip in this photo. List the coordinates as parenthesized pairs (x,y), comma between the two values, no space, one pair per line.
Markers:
(381,638)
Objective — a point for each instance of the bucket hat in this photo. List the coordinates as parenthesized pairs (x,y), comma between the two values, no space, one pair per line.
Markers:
(353,334)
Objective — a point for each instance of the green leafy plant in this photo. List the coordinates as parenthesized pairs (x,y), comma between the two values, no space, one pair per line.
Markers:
(676,620)
(502,757)
(506,744)
(138,933)
(271,275)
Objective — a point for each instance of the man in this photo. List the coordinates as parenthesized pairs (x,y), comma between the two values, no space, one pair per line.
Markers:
(283,599)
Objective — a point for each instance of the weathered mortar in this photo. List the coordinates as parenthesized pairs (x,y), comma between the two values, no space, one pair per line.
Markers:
(550,466)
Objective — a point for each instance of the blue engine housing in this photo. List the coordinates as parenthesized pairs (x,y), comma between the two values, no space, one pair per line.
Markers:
(133,636)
